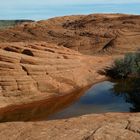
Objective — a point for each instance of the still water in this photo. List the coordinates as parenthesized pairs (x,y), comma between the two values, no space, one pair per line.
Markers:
(107,96)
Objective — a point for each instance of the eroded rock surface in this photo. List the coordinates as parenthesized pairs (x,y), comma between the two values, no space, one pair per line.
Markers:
(47,58)
(96,33)
(34,71)
(30,68)
(116,126)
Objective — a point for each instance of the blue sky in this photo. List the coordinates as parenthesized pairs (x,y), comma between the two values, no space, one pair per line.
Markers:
(43,9)
(10,3)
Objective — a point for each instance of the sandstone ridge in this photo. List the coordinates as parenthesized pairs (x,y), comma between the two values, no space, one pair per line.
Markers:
(91,34)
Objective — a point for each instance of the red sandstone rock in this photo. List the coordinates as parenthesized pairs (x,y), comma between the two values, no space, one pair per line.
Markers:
(116,126)
(110,33)
(33,70)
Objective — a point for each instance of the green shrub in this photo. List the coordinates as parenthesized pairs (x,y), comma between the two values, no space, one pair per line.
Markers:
(126,67)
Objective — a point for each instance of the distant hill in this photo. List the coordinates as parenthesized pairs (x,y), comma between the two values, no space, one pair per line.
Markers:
(88,34)
(11,23)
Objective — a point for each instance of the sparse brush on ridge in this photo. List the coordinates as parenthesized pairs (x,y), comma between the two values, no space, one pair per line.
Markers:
(12,23)
(129,66)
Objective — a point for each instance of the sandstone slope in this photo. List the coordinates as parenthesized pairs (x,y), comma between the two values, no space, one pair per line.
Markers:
(110,33)
(30,67)
(34,71)
(116,126)
(47,58)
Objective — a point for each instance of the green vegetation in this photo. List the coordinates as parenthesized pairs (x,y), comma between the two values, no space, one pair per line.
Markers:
(129,66)
(11,23)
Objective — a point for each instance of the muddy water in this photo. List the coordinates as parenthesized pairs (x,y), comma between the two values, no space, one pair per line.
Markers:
(107,96)
(39,110)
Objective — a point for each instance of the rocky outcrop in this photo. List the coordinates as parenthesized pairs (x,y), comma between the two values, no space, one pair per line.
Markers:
(106,33)
(34,71)
(31,67)
(43,59)
(116,126)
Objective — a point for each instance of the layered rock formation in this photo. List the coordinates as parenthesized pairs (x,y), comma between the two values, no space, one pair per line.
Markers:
(111,33)
(44,59)
(29,67)
(33,71)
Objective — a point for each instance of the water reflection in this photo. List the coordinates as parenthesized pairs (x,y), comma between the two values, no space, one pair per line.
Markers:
(130,90)
(107,96)
(38,110)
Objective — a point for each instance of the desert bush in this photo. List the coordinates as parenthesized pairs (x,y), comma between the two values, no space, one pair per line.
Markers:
(129,66)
